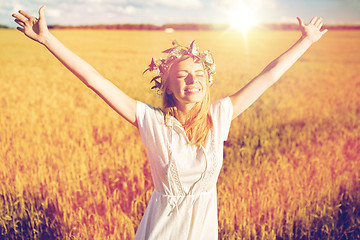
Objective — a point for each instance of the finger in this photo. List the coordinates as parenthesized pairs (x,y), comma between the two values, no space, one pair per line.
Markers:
(313,20)
(318,21)
(25,14)
(324,31)
(21,18)
(34,20)
(20,29)
(301,23)
(42,12)
(20,22)
(320,25)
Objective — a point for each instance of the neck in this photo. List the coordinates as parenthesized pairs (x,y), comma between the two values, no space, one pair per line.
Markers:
(182,112)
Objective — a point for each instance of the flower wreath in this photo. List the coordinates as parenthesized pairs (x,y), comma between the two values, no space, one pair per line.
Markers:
(178,52)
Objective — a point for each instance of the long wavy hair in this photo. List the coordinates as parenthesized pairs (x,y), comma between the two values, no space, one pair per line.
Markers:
(198,123)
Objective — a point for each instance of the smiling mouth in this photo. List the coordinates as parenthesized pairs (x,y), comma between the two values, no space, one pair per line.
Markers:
(192,90)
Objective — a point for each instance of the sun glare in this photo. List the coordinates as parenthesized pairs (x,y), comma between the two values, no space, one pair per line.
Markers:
(243,18)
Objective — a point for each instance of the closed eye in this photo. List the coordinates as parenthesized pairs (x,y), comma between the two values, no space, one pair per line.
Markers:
(181,75)
(199,73)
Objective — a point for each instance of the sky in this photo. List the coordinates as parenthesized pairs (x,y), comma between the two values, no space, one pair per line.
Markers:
(159,12)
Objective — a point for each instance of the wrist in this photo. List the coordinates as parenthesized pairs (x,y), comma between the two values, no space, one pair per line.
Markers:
(45,38)
(306,40)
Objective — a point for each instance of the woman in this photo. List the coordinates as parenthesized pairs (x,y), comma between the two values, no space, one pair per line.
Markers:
(184,140)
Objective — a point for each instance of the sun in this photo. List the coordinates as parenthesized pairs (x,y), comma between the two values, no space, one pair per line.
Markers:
(243,18)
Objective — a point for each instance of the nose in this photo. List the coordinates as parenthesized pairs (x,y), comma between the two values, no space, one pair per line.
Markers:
(190,79)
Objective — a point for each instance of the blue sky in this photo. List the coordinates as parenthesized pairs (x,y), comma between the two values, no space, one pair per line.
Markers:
(78,12)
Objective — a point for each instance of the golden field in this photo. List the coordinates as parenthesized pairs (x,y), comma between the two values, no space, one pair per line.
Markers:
(71,168)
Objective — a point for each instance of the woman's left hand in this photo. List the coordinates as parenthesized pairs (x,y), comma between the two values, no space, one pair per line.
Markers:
(312,31)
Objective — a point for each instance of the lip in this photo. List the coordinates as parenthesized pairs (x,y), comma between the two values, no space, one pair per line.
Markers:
(192,90)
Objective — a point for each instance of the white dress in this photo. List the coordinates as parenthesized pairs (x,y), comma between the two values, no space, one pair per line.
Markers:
(183,204)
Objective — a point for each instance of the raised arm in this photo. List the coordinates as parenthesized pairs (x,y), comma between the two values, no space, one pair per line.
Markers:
(37,30)
(246,96)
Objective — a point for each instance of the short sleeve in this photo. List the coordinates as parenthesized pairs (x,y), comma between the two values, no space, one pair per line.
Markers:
(140,118)
(222,113)
(148,119)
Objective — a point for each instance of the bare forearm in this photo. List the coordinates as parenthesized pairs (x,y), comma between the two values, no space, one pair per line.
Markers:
(282,63)
(84,71)
(37,30)
(247,95)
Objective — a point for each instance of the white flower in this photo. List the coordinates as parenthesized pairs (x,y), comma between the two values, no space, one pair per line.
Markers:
(194,50)
(209,58)
(211,79)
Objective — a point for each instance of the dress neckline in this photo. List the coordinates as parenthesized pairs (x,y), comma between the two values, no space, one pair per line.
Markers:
(210,161)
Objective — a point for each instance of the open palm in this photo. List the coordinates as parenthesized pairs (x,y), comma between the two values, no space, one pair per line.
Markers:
(32,27)
(312,30)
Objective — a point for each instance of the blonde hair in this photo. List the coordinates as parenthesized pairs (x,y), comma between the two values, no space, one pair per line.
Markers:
(199,123)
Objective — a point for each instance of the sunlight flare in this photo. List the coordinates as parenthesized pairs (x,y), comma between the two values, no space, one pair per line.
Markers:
(243,18)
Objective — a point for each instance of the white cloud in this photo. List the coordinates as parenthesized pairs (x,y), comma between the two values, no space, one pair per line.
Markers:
(77,12)
(16,6)
(53,12)
(184,4)
(123,9)
(285,19)
(130,10)
(231,4)
(4,7)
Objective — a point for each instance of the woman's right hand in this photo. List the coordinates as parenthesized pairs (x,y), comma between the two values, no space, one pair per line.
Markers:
(32,27)
(37,30)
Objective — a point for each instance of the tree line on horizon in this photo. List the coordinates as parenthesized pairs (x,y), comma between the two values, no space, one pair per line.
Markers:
(188,27)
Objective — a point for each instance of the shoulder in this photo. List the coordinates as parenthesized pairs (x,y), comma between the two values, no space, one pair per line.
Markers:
(144,108)
(221,114)
(222,106)
(146,112)
(150,122)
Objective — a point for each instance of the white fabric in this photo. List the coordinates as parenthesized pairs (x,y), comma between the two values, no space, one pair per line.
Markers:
(184,203)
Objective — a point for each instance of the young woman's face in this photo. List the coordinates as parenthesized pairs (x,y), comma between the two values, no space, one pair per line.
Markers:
(187,82)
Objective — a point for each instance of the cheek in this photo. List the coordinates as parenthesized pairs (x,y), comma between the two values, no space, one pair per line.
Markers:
(171,86)
(175,85)
(203,83)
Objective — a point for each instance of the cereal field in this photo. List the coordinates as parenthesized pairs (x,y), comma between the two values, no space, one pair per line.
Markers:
(71,168)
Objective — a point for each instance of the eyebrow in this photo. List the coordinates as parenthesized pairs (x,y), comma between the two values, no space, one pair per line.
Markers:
(200,70)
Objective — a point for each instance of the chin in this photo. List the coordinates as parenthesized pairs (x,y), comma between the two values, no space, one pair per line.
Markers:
(195,99)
